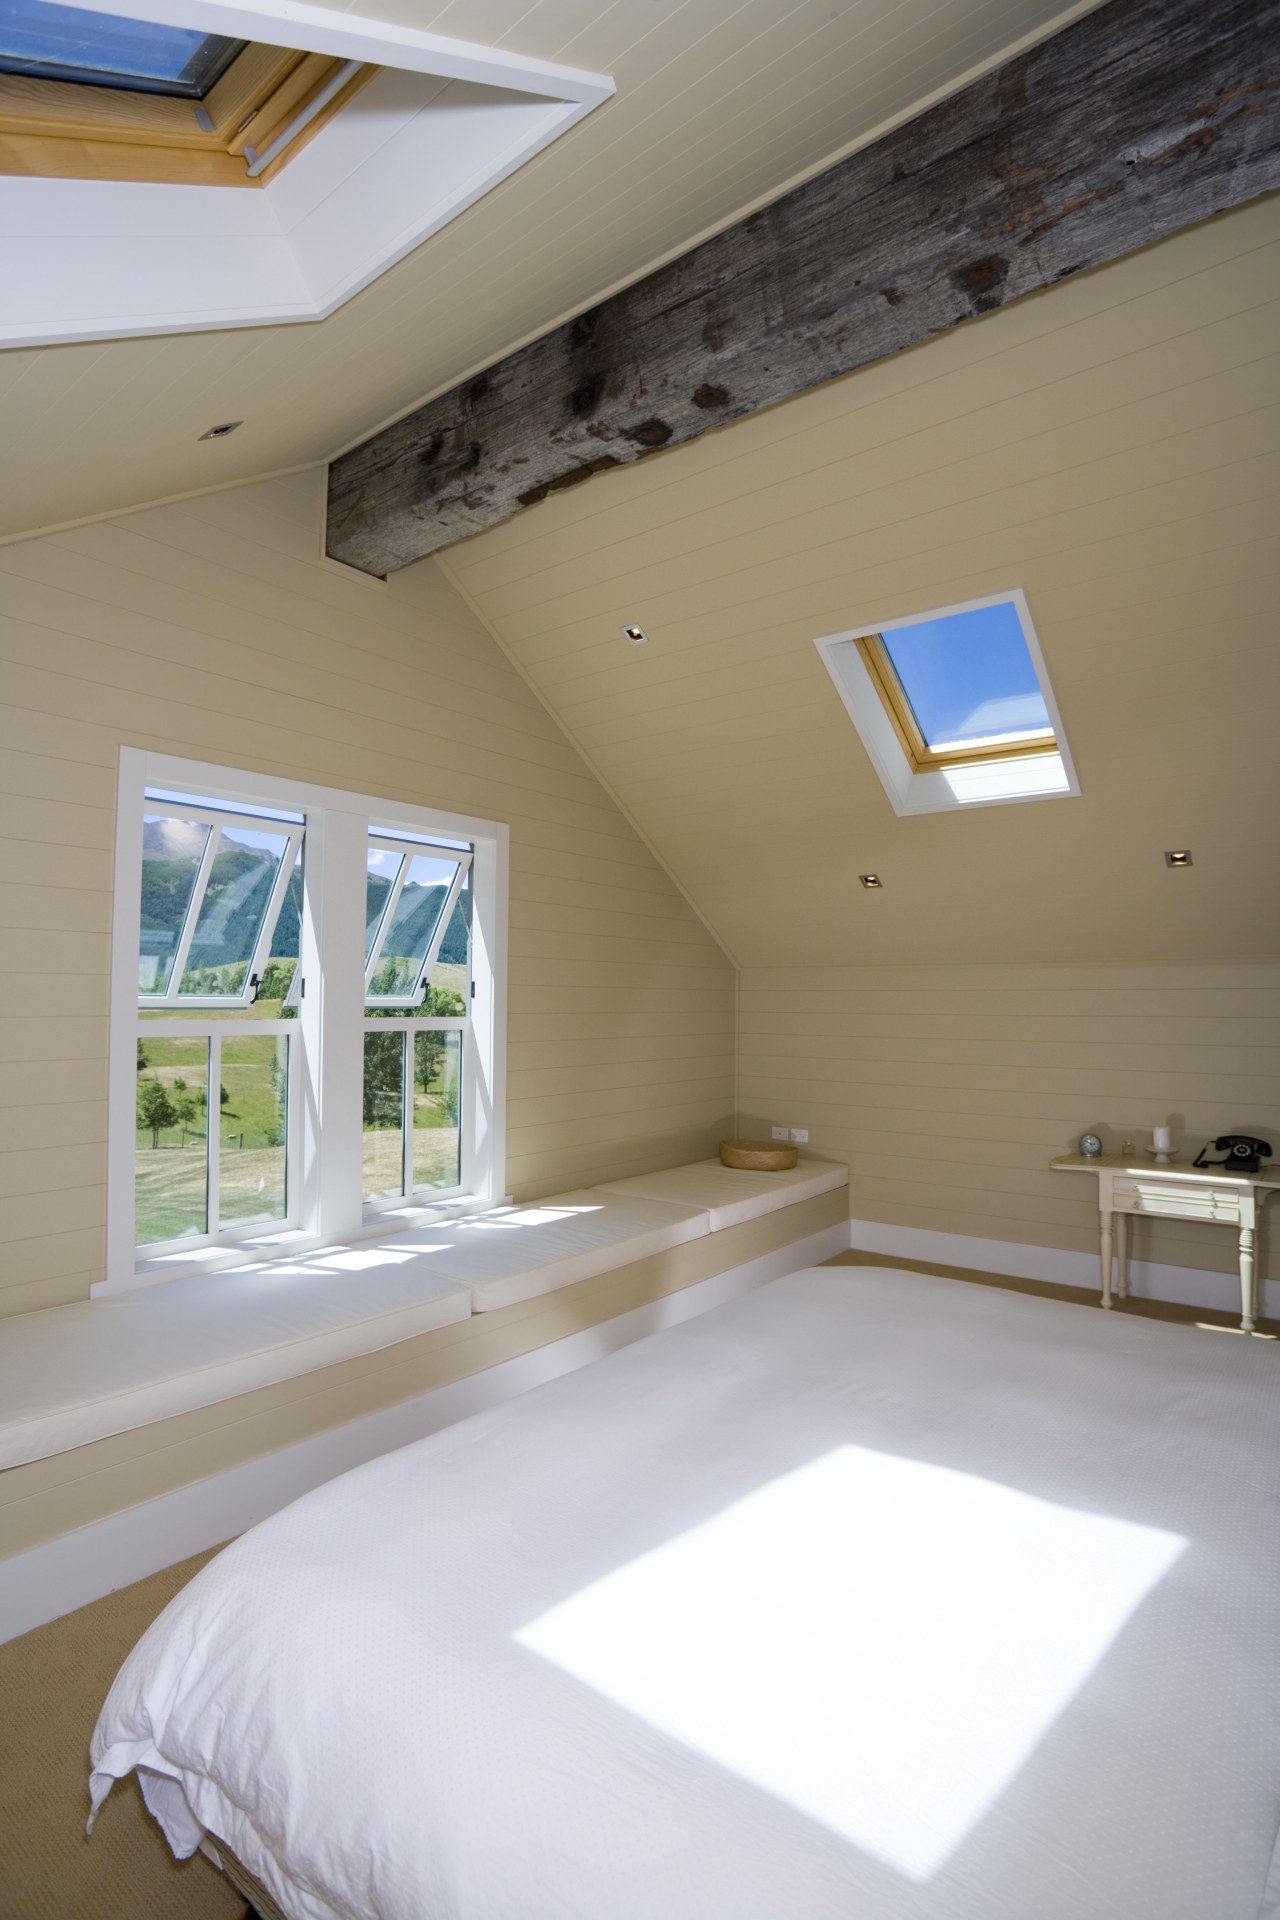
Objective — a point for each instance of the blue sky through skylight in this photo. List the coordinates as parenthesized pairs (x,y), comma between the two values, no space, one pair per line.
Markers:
(46,41)
(969,677)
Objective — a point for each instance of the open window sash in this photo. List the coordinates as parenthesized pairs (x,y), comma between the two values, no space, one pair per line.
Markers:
(219,827)
(411,994)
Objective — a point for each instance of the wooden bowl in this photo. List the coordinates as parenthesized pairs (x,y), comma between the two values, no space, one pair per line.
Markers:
(757,1156)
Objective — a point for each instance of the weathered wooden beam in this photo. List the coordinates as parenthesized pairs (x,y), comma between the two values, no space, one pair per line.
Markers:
(1138,120)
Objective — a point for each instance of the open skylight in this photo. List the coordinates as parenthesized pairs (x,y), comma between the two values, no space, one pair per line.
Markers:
(964,683)
(49,42)
(954,707)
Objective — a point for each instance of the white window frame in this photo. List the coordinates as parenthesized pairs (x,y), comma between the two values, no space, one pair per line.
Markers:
(194,1002)
(327,1061)
(1007,778)
(406,850)
(469,1075)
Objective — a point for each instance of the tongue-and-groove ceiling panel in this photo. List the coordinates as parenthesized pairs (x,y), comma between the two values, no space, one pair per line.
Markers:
(1112,447)
(717,106)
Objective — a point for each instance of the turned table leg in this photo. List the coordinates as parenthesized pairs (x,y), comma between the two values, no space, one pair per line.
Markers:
(1122,1255)
(1248,1281)
(1105,1248)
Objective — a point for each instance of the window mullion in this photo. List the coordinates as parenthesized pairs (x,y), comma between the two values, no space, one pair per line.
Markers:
(213,1136)
(467,1108)
(407,1073)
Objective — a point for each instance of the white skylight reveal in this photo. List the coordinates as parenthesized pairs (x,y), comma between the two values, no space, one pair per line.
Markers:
(438,124)
(954,706)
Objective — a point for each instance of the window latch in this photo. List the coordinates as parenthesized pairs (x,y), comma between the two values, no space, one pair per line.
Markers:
(255,987)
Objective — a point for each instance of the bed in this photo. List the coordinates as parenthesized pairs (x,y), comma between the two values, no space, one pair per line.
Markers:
(869,1595)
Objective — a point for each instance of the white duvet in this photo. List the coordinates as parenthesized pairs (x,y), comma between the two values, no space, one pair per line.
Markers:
(871,1595)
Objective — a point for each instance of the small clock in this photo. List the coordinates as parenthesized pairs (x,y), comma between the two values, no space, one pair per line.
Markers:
(1090,1145)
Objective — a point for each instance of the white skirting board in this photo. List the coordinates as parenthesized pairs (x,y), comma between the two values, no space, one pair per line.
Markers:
(60,1575)
(1148,1279)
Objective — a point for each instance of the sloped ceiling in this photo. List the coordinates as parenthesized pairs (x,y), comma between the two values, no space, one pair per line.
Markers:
(718,105)
(1113,448)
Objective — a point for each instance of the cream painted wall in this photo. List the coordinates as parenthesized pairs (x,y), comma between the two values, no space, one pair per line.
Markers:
(212,628)
(949,1090)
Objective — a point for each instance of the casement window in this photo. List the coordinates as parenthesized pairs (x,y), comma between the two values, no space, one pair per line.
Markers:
(954,707)
(306,1015)
(89,95)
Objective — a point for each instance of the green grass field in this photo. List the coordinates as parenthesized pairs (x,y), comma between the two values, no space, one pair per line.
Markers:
(171,1166)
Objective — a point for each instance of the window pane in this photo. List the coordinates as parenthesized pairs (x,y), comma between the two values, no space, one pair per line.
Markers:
(969,678)
(172,1158)
(437,1109)
(383,868)
(413,922)
(278,974)
(449,982)
(66,43)
(384,1113)
(254,1102)
(171,854)
(232,911)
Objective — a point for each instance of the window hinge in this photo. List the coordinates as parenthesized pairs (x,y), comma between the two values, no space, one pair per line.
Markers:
(473,989)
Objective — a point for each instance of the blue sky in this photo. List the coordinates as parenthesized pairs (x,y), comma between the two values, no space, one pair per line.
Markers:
(968,676)
(67,36)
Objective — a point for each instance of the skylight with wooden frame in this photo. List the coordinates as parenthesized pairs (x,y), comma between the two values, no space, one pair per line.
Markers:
(960,687)
(954,706)
(98,96)
(123,237)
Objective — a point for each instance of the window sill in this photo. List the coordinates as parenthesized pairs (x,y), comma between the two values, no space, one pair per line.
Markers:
(274,1249)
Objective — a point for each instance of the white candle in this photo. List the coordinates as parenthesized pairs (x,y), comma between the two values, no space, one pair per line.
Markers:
(1162,1139)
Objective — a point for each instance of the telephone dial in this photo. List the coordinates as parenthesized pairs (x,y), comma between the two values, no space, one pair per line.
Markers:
(1243,1152)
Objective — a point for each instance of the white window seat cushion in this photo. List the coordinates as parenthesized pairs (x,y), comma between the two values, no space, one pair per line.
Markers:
(71,1375)
(516,1253)
(730,1195)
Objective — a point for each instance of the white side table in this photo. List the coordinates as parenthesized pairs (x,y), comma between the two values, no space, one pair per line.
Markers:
(1174,1190)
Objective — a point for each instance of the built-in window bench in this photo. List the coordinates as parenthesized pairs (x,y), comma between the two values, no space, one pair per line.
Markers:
(75,1374)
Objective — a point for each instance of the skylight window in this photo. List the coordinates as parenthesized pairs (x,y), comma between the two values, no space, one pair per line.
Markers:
(48,42)
(954,707)
(961,686)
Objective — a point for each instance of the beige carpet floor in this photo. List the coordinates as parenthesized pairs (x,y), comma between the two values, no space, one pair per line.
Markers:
(52,1684)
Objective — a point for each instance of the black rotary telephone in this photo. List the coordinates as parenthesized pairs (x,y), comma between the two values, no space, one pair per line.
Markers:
(1244,1153)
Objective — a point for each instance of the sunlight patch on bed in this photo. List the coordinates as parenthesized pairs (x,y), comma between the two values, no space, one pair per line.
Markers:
(878,1642)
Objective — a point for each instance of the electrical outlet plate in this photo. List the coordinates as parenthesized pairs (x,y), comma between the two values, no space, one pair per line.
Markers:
(800,1136)
(782,1133)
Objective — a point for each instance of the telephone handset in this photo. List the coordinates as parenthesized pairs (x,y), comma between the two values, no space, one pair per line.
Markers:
(1243,1151)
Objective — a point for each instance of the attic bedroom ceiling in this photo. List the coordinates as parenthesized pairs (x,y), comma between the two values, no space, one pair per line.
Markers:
(1112,448)
(717,107)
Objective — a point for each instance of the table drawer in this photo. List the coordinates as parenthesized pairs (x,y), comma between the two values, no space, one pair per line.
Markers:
(1165,1197)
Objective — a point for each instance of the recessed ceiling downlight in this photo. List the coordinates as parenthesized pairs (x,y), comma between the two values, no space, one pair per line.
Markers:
(635,636)
(870,880)
(221,432)
(1180,857)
